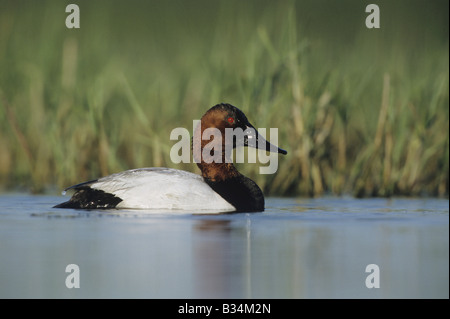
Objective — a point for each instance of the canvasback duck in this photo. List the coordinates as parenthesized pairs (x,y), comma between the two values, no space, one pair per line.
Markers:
(220,188)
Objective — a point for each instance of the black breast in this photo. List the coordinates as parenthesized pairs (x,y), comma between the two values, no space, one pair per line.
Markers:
(241,192)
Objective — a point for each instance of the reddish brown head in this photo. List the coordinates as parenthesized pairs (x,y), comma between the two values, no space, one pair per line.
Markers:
(212,147)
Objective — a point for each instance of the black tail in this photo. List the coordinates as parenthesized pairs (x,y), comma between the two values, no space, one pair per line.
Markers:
(89,198)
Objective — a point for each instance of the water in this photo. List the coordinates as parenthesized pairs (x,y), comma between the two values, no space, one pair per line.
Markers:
(297,248)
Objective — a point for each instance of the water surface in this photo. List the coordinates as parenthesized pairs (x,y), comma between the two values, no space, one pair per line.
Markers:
(297,248)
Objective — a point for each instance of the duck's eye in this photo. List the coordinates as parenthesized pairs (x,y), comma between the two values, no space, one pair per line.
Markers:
(230,120)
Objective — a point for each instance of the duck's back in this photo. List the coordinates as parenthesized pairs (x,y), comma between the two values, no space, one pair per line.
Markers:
(148,188)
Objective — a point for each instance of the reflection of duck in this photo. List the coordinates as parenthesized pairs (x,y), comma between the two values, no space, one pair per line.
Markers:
(221,225)
(221,187)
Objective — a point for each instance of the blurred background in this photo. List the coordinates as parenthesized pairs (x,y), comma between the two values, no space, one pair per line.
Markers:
(361,111)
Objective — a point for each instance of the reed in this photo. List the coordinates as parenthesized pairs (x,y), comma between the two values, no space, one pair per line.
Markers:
(362,112)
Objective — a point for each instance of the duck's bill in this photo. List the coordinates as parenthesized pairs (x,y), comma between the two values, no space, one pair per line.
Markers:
(252,138)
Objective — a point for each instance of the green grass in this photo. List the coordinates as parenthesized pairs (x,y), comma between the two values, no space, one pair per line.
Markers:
(360,111)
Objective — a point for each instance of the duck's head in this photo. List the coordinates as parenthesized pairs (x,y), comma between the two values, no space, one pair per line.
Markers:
(235,130)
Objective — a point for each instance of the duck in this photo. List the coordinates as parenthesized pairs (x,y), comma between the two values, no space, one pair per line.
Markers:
(220,188)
